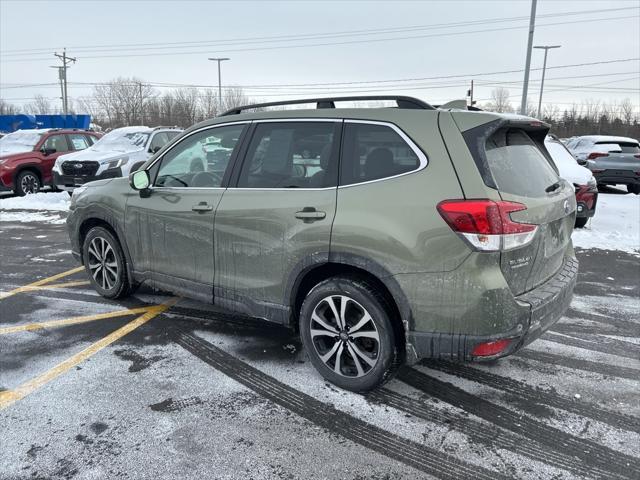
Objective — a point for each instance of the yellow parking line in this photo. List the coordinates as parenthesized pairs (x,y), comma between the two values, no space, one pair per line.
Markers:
(39,283)
(8,397)
(76,283)
(71,321)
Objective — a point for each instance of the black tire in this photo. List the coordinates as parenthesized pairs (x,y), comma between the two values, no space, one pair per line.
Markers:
(110,259)
(361,296)
(581,222)
(633,189)
(27,182)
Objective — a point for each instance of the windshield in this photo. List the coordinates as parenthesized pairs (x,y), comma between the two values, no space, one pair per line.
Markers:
(121,141)
(19,142)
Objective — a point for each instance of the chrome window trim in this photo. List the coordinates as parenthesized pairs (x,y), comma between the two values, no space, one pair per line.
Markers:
(280,189)
(288,120)
(424,161)
(208,127)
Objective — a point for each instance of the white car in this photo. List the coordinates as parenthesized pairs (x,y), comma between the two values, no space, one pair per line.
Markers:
(118,153)
(581,178)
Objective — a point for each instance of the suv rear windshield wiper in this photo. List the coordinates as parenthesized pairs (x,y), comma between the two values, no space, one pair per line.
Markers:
(553,187)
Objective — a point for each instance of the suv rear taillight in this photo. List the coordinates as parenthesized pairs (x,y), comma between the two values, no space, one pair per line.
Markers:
(487,224)
(595,155)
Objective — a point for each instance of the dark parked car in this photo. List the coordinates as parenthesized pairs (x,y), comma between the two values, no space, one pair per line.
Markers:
(27,156)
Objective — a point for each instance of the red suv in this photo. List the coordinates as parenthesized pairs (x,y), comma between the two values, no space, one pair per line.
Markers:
(27,156)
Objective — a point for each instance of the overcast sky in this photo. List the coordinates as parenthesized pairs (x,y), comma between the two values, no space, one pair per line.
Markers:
(349,47)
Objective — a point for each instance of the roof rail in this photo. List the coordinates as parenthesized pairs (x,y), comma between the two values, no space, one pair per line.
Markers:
(401,101)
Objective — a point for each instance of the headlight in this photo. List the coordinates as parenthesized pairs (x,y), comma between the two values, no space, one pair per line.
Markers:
(57,166)
(118,162)
(592,183)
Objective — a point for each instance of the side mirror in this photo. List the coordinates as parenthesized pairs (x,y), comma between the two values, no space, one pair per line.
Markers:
(48,151)
(155,149)
(140,181)
(582,162)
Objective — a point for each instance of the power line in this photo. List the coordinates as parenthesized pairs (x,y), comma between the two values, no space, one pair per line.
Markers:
(246,40)
(350,42)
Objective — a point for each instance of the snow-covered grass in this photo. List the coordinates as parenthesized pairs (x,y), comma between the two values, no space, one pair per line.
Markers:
(58,202)
(615,226)
(40,207)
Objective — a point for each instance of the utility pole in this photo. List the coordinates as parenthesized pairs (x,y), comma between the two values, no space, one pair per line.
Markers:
(63,77)
(525,86)
(61,84)
(219,60)
(544,68)
(472,102)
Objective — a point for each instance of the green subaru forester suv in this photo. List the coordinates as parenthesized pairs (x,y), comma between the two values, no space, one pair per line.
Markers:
(405,233)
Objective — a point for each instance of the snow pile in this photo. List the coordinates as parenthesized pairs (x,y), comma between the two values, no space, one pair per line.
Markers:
(38,208)
(615,226)
(58,202)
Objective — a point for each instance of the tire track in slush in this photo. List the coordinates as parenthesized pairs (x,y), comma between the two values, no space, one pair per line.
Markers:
(535,395)
(420,457)
(580,364)
(489,435)
(591,453)
(595,343)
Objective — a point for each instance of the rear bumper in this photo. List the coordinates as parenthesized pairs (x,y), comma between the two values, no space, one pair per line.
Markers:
(545,305)
(70,182)
(626,177)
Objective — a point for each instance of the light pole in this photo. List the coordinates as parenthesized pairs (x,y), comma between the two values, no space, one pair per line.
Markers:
(219,60)
(544,67)
(527,64)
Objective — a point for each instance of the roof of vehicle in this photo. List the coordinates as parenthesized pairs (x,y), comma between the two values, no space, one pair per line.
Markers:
(607,138)
(408,107)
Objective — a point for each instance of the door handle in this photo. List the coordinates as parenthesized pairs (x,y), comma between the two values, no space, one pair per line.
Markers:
(310,214)
(202,207)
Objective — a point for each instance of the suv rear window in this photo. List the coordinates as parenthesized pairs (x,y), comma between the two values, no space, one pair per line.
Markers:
(517,164)
(625,147)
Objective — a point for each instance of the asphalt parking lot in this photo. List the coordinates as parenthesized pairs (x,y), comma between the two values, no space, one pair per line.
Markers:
(157,387)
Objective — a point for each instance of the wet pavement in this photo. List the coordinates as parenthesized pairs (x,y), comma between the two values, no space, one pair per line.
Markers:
(155,387)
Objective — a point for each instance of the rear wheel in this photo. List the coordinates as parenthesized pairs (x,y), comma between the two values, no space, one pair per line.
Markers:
(105,263)
(581,222)
(633,189)
(347,332)
(27,182)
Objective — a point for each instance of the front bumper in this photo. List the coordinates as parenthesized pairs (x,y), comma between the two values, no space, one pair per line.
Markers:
(546,304)
(70,182)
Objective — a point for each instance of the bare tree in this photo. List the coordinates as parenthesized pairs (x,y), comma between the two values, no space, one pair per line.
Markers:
(186,106)
(39,106)
(7,108)
(499,101)
(122,100)
(208,101)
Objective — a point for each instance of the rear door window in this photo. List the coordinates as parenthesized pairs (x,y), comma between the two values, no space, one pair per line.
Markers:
(373,152)
(518,165)
(291,155)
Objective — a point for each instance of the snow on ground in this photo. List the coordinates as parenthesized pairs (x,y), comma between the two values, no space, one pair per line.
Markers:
(615,226)
(58,202)
(40,207)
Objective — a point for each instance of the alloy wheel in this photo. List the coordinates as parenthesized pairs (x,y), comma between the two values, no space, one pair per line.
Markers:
(345,336)
(103,263)
(29,183)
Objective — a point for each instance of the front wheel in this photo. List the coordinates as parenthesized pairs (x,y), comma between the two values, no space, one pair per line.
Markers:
(633,189)
(27,182)
(105,263)
(347,333)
